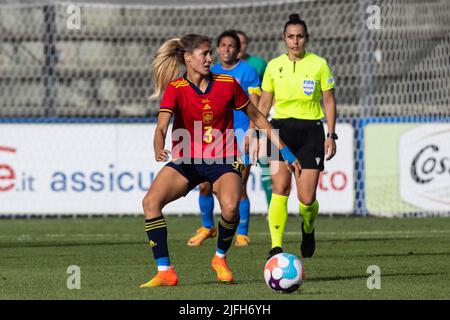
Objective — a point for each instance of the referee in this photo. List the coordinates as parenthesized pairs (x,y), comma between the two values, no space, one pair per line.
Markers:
(295,82)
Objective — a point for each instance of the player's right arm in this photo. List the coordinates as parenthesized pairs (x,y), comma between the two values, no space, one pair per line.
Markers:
(159,140)
(168,106)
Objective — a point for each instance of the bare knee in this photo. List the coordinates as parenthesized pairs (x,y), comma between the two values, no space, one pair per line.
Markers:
(230,210)
(307,199)
(281,190)
(152,206)
(205,189)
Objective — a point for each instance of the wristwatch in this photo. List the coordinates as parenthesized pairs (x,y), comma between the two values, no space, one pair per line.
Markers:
(332,135)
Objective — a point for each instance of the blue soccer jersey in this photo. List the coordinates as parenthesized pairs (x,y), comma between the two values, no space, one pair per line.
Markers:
(248,78)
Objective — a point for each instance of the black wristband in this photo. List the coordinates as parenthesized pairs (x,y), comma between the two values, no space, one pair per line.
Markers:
(332,135)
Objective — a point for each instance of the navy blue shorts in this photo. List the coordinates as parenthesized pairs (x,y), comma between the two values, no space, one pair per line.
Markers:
(197,173)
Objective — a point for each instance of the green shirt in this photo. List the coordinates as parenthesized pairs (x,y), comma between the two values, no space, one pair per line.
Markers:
(298,85)
(258,63)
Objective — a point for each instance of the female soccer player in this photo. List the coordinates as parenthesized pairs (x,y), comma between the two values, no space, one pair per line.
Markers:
(203,149)
(297,80)
(228,48)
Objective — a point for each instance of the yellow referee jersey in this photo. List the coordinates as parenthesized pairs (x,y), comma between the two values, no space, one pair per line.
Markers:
(298,85)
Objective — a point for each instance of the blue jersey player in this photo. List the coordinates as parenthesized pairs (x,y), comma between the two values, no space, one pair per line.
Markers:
(228,48)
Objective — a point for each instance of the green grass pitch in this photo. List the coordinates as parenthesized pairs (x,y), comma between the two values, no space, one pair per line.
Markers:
(114,258)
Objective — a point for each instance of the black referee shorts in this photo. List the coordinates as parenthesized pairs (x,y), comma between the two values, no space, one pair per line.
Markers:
(305,138)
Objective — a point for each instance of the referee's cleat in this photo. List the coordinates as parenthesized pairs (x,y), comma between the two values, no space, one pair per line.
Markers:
(274,251)
(224,275)
(242,240)
(201,235)
(308,244)
(163,278)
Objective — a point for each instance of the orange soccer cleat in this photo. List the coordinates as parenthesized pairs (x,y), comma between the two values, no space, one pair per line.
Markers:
(201,235)
(163,278)
(224,275)
(242,240)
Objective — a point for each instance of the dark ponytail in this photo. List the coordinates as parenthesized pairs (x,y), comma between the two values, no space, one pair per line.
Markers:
(295,19)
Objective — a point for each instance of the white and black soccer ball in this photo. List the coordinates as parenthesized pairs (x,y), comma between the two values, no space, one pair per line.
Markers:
(284,272)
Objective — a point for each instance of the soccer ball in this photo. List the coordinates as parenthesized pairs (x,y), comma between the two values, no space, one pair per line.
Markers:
(284,272)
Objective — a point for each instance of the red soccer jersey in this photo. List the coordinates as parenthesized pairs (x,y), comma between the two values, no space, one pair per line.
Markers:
(203,121)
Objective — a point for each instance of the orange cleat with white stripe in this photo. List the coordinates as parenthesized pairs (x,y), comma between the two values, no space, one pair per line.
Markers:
(163,278)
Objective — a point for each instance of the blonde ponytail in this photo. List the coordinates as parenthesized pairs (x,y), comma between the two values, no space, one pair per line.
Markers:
(165,66)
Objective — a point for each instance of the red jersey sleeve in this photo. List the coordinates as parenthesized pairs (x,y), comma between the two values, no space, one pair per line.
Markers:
(168,102)
(240,97)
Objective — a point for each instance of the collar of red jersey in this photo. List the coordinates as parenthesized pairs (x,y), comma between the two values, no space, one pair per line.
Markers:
(197,89)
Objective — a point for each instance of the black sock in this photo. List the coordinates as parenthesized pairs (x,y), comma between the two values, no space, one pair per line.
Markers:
(157,235)
(225,234)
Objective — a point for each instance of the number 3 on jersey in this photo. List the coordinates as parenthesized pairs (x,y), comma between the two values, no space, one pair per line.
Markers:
(207,136)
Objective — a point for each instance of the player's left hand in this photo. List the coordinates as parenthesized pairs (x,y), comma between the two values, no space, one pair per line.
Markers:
(295,167)
(291,161)
(330,148)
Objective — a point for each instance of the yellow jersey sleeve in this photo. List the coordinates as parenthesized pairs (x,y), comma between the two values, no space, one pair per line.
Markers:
(267,83)
(255,90)
(326,78)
